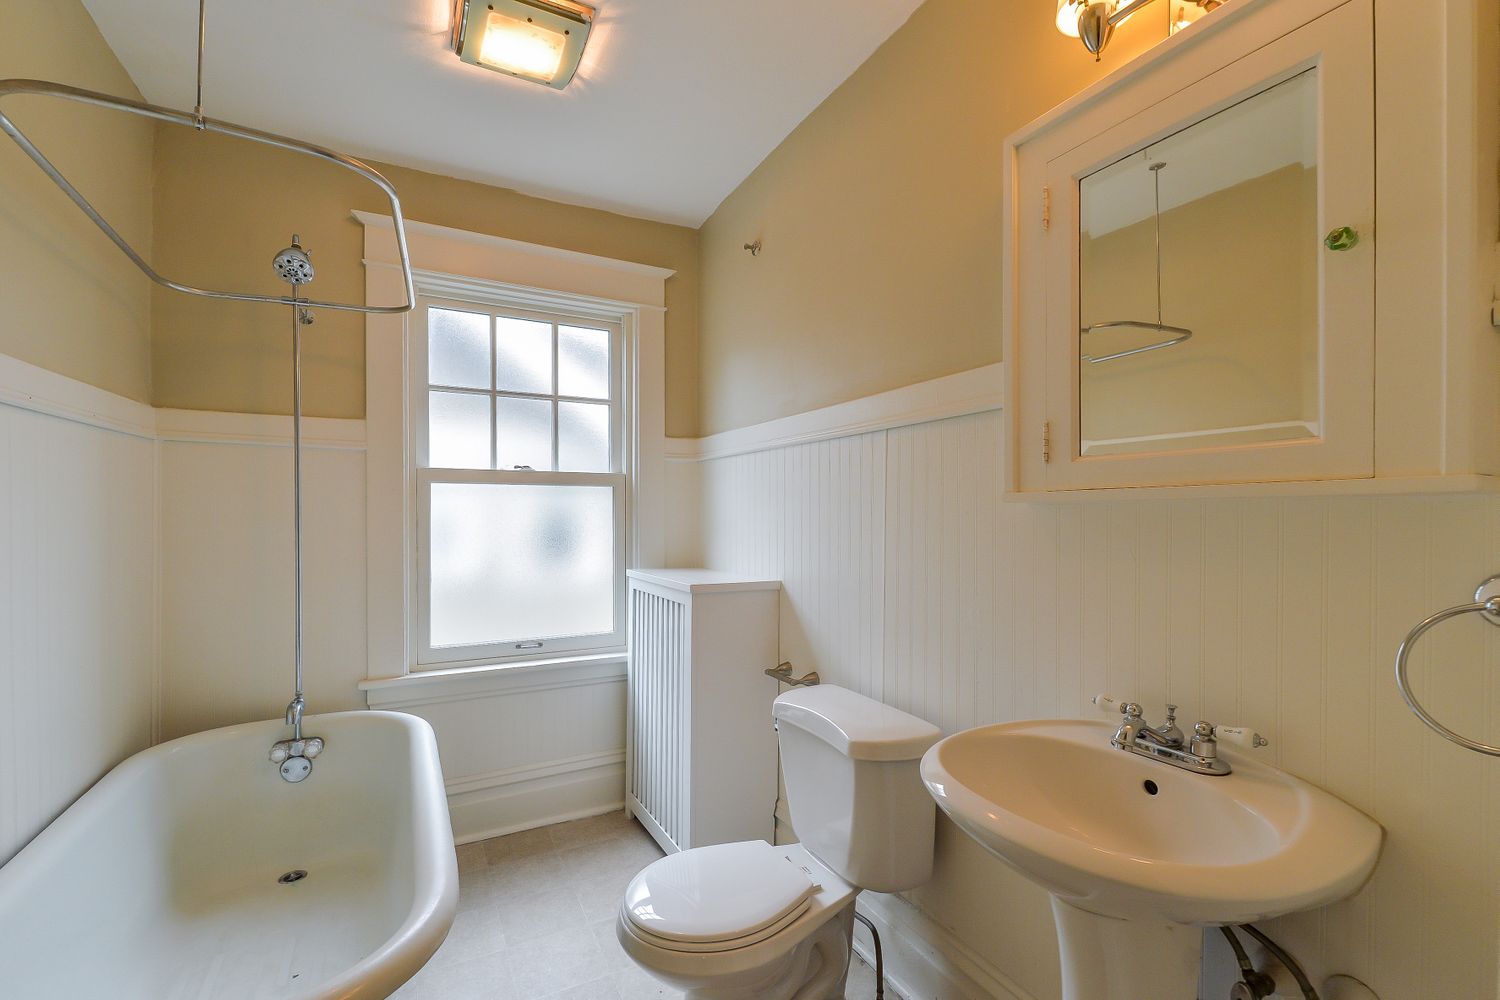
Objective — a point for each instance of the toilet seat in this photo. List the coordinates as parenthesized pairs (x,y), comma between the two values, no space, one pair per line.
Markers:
(718,898)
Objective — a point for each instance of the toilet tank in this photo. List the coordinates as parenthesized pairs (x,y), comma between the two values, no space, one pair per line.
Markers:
(853,787)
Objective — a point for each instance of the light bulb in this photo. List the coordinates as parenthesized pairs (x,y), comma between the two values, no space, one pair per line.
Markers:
(522,47)
(1067,16)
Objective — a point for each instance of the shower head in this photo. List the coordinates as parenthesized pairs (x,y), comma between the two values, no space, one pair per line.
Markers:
(293,264)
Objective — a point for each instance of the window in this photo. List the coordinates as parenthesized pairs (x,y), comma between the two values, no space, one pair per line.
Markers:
(520,455)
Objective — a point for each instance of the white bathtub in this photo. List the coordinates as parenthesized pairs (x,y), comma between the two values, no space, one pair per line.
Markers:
(160,883)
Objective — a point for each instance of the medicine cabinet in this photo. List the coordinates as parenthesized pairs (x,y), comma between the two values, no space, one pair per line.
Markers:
(1195,275)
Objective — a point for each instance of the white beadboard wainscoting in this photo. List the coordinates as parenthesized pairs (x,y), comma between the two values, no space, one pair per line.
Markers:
(146,593)
(77,591)
(907,577)
(524,746)
(521,747)
(226,563)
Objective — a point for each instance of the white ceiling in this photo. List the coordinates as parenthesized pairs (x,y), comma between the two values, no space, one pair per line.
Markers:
(675,103)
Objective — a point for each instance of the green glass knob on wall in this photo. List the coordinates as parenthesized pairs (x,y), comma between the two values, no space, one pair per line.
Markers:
(1342,238)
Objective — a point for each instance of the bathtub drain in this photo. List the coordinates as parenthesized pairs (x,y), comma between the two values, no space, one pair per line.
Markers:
(295,875)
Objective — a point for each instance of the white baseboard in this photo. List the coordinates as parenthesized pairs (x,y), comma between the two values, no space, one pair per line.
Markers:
(502,802)
(923,960)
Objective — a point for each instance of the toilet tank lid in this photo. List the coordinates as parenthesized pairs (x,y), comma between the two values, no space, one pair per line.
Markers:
(858,727)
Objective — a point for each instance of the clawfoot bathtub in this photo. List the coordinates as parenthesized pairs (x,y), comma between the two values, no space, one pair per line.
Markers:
(176,876)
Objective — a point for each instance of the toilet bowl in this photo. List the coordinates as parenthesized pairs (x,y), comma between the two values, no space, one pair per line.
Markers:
(741,921)
(748,920)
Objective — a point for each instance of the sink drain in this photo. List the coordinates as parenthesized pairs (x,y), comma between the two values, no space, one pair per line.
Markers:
(295,875)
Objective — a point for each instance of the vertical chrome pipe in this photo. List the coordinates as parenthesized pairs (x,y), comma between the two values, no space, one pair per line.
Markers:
(1156,169)
(297,504)
(202,36)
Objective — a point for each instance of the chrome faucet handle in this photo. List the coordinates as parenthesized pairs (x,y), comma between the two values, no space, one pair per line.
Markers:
(1169,728)
(1204,745)
(1131,710)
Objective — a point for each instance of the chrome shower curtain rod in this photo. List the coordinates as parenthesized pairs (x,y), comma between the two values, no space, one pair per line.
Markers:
(195,120)
(43,88)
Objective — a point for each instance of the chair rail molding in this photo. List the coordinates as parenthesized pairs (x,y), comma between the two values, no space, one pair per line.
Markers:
(975,390)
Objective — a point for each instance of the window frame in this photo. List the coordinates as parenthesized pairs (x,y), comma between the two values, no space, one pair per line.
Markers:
(423,655)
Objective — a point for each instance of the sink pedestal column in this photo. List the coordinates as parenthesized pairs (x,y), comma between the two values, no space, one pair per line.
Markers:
(1104,958)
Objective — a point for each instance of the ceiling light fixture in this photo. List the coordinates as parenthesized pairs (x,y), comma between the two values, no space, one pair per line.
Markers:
(537,40)
(1094,21)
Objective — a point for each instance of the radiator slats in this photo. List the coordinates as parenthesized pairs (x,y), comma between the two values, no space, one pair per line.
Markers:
(659,687)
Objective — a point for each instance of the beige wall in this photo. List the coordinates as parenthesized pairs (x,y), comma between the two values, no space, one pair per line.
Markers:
(880,216)
(72,302)
(223,209)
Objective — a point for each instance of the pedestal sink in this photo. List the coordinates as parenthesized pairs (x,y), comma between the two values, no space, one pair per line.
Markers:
(1140,855)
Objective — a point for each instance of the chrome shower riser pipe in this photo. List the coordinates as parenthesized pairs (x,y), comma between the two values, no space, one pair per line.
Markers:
(297,701)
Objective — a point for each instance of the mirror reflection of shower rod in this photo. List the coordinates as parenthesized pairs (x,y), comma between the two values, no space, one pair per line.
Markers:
(1178,333)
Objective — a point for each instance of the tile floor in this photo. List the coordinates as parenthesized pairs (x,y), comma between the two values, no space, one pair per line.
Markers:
(536,919)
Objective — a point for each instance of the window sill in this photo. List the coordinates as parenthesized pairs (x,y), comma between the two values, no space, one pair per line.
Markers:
(515,677)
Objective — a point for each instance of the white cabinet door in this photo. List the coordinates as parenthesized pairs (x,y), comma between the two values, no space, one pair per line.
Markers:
(1181,319)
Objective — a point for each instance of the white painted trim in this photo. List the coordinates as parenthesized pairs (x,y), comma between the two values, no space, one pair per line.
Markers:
(928,960)
(504,802)
(500,242)
(972,391)
(533,772)
(429,687)
(449,259)
(699,581)
(29,387)
(456,286)
(266,429)
(38,390)
(1308,428)
(1378,486)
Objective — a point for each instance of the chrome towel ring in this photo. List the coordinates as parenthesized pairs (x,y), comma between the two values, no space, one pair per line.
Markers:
(1487,604)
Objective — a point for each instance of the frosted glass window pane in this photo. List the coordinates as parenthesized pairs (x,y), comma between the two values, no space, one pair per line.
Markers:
(458,348)
(583,437)
(512,563)
(523,355)
(583,362)
(523,433)
(458,430)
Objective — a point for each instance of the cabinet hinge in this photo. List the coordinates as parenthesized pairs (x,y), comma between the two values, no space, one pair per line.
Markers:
(1046,208)
(1046,441)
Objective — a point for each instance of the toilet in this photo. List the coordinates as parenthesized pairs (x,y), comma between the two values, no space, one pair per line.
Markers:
(749,919)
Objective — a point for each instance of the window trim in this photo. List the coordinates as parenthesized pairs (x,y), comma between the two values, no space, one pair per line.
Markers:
(454,263)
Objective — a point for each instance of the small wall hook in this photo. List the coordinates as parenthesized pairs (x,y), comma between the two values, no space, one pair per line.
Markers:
(754,248)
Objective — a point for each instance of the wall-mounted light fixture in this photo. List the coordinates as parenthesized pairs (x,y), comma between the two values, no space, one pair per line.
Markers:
(1094,21)
(537,40)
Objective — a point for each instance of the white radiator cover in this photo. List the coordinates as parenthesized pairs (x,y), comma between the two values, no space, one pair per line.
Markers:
(700,763)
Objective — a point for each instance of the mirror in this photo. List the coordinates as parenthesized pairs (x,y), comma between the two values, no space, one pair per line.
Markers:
(1199,313)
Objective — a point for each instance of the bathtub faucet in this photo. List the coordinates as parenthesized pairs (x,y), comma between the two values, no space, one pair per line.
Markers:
(294,712)
(295,756)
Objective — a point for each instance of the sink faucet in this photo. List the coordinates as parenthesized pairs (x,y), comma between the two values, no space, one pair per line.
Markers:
(1168,743)
(1135,728)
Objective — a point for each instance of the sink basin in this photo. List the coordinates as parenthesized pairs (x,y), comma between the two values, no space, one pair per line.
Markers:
(1119,838)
